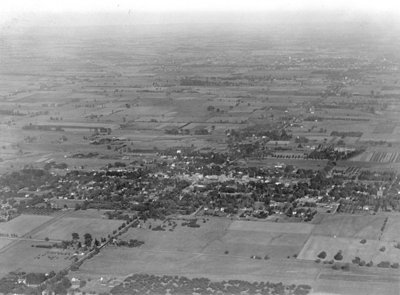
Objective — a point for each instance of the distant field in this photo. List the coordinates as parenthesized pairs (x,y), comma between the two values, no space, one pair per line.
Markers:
(361,227)
(63,228)
(23,224)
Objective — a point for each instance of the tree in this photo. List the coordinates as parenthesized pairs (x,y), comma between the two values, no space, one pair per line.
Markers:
(75,236)
(346,267)
(338,256)
(88,239)
(322,255)
(96,243)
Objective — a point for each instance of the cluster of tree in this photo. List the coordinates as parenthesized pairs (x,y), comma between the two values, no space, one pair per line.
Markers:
(132,243)
(192,81)
(117,214)
(387,264)
(344,134)
(54,165)
(144,284)
(360,262)
(87,241)
(86,156)
(377,176)
(313,118)
(201,131)
(331,154)
(59,285)
(259,131)
(191,223)
(30,178)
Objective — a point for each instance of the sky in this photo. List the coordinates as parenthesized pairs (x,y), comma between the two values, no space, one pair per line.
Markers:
(11,9)
(16,6)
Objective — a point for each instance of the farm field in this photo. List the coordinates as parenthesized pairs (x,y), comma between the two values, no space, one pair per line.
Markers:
(378,157)
(350,248)
(88,213)
(23,224)
(267,227)
(120,262)
(24,257)
(182,238)
(356,283)
(202,251)
(63,228)
(125,261)
(345,233)
(4,242)
(216,236)
(350,226)
(392,232)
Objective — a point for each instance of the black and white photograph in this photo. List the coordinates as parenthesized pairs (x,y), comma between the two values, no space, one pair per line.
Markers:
(199,147)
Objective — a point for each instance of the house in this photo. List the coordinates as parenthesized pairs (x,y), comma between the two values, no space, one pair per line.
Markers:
(22,281)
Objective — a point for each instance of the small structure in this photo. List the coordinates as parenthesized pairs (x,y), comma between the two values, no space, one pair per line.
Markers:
(75,283)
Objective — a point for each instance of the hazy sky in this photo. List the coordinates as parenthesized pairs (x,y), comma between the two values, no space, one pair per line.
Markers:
(13,6)
(12,9)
